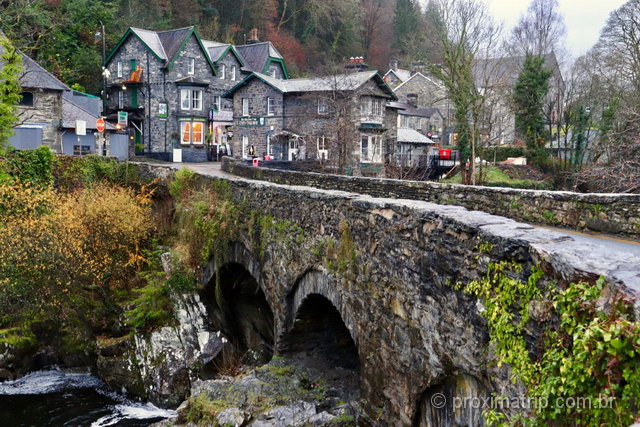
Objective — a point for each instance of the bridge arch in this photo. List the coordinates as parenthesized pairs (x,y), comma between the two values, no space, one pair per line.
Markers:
(239,306)
(318,325)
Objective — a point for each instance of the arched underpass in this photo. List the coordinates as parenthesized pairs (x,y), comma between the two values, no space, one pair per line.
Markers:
(320,341)
(239,309)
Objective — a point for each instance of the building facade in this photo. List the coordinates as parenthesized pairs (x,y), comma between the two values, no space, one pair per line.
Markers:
(340,119)
(170,85)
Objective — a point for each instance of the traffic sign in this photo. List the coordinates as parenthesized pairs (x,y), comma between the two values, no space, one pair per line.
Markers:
(123,117)
(100,125)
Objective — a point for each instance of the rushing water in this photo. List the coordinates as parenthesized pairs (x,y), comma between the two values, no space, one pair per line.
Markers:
(55,398)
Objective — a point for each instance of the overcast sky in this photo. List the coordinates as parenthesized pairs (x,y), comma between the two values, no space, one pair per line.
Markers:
(584,18)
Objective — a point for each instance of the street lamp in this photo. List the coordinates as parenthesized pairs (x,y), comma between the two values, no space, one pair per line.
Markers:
(105,73)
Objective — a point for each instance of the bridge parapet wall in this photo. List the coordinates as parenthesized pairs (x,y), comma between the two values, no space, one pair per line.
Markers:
(615,214)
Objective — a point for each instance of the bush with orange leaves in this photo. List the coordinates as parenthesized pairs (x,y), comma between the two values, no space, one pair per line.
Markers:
(61,253)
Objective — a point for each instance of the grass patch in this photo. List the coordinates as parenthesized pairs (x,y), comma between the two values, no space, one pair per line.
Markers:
(494,177)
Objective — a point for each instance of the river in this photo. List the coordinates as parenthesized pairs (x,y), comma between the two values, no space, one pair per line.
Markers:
(55,398)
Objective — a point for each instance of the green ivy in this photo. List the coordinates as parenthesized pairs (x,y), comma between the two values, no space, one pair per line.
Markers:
(585,353)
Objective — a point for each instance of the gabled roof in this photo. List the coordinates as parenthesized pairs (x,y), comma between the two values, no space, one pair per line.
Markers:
(408,109)
(402,75)
(418,75)
(164,45)
(217,51)
(412,136)
(91,103)
(258,56)
(72,112)
(34,76)
(340,82)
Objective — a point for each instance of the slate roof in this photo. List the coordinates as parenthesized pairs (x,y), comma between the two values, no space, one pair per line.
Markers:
(152,39)
(407,109)
(340,82)
(165,45)
(433,80)
(72,112)
(34,76)
(256,56)
(412,136)
(91,103)
(215,49)
(401,74)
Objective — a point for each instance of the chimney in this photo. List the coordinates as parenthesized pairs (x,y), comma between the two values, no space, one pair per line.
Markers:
(253,36)
(393,64)
(412,98)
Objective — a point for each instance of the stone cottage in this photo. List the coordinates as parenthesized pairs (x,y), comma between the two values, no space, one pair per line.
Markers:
(340,118)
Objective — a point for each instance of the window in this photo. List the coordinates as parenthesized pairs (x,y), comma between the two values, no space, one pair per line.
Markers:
(365,105)
(245,145)
(376,106)
(245,106)
(233,72)
(323,149)
(191,66)
(196,100)
(323,108)
(271,106)
(269,147)
(119,69)
(217,103)
(404,121)
(26,99)
(274,73)
(421,123)
(191,99)
(191,133)
(223,72)
(120,99)
(371,149)
(81,150)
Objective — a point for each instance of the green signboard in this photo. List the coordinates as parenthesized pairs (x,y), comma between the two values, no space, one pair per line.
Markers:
(123,118)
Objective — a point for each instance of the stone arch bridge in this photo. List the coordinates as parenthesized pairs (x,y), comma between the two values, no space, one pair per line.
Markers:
(388,267)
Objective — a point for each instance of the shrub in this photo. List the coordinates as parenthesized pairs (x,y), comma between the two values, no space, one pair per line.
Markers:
(32,166)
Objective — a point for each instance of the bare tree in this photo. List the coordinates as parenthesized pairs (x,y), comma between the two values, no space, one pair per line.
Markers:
(539,31)
(470,39)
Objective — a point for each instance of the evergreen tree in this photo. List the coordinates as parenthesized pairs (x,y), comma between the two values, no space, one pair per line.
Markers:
(528,100)
(10,70)
(406,22)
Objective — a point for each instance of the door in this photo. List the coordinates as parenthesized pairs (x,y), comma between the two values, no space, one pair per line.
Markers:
(293,149)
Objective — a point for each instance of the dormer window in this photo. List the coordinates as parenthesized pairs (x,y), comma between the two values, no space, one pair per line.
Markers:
(223,72)
(233,73)
(26,99)
(191,66)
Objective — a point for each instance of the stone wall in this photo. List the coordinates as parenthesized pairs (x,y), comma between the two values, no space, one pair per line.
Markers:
(390,274)
(617,214)
(46,113)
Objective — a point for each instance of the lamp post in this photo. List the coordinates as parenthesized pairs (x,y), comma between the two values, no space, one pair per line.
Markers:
(105,76)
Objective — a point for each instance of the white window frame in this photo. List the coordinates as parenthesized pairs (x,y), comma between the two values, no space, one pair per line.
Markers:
(245,106)
(274,73)
(223,72)
(323,107)
(191,99)
(119,69)
(271,106)
(374,149)
(245,146)
(233,73)
(323,153)
(187,127)
(269,147)
(365,106)
(185,99)
(191,66)
(196,100)
(120,99)
(217,103)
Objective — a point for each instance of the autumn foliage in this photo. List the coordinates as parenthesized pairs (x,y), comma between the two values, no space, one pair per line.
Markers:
(61,251)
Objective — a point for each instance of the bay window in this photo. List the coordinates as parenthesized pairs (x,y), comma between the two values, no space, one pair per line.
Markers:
(191,132)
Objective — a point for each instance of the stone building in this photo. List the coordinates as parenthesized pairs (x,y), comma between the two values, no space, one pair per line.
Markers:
(340,118)
(40,108)
(170,83)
